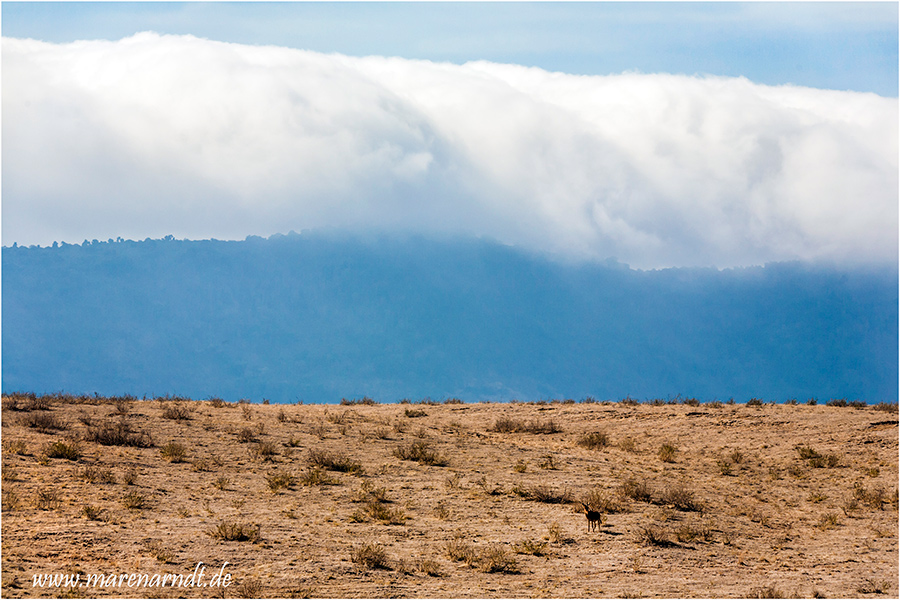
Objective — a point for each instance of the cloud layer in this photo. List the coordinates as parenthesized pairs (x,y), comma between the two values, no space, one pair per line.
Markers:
(154,135)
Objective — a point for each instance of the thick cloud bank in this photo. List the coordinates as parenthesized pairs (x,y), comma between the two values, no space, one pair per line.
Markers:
(155,135)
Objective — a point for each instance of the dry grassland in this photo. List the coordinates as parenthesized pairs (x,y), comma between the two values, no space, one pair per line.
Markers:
(452,500)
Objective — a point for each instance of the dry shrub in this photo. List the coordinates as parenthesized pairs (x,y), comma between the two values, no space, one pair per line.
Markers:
(44,422)
(249,588)
(681,498)
(61,449)
(176,412)
(47,499)
(531,547)
(266,451)
(431,567)
(461,551)
(173,452)
(636,490)
(91,512)
(509,425)
(118,433)
(667,453)
(316,476)
(232,531)
(495,559)
(543,493)
(279,480)
(600,501)
(134,500)
(413,413)
(421,452)
(769,591)
(334,461)
(654,535)
(594,440)
(370,556)
(246,435)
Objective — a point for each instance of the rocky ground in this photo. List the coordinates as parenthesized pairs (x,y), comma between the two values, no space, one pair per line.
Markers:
(448,500)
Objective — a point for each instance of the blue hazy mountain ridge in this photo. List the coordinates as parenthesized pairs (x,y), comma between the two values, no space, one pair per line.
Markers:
(322,316)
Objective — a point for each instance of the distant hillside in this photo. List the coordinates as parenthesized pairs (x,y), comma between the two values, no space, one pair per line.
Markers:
(320,316)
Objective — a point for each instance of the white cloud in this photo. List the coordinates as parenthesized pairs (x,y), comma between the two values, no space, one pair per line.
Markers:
(154,135)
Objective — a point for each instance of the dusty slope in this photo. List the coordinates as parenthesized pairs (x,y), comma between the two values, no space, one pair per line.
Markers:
(739,512)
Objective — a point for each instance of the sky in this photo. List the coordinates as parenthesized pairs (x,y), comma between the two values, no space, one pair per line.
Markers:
(663,134)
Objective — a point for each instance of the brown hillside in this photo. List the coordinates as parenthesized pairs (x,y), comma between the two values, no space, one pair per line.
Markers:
(450,500)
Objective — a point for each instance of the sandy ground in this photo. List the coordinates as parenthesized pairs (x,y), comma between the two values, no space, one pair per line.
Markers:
(751,501)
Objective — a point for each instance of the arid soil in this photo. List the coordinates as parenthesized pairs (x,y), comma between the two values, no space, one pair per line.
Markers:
(450,500)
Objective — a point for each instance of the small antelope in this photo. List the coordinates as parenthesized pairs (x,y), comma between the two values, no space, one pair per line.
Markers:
(593,517)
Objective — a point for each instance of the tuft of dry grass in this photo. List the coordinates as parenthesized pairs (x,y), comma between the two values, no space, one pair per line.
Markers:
(173,452)
(421,452)
(233,531)
(510,425)
(370,556)
(62,449)
(594,440)
(280,480)
(44,422)
(118,433)
(667,453)
(334,461)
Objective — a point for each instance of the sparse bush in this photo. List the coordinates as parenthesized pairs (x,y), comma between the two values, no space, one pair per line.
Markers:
(44,422)
(61,449)
(10,499)
(594,440)
(495,559)
(370,556)
(461,551)
(173,452)
(94,474)
(628,444)
(829,521)
(872,586)
(754,402)
(838,402)
(221,483)
(543,493)
(413,413)
(279,480)
(431,567)
(47,499)
(118,433)
(769,591)
(681,498)
(365,401)
(600,501)
(316,476)
(232,531)
(888,407)
(874,497)
(246,435)
(654,535)
(421,452)
(249,588)
(266,451)
(667,453)
(531,547)
(636,490)
(15,447)
(520,467)
(130,476)
(134,500)
(176,412)
(91,512)
(334,461)
(508,425)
